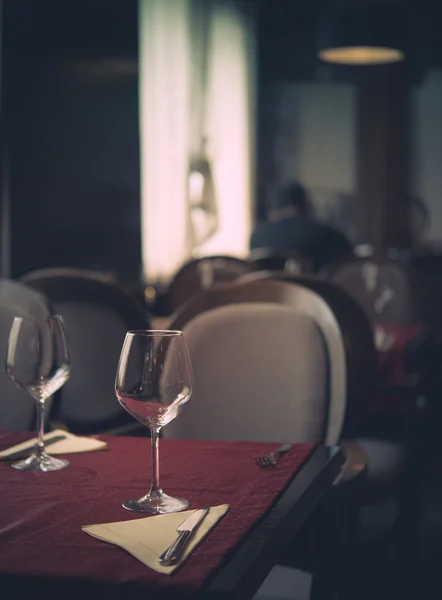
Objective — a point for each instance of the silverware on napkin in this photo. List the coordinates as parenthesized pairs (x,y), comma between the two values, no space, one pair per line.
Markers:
(175,551)
(25,451)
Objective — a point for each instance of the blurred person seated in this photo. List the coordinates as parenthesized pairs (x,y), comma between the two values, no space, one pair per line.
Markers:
(291,225)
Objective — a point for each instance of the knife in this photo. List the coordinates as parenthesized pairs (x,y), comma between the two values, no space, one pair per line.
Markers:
(24,451)
(175,551)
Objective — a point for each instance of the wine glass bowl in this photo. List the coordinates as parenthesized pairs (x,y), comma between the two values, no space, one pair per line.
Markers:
(154,381)
(38,361)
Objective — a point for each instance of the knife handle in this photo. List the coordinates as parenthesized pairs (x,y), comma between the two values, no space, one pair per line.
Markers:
(174,552)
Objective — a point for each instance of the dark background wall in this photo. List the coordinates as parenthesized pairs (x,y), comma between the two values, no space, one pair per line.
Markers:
(71,125)
(316,120)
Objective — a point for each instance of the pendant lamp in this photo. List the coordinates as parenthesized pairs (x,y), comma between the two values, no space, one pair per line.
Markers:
(362,33)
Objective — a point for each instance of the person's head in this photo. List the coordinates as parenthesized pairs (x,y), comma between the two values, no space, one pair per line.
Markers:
(290,201)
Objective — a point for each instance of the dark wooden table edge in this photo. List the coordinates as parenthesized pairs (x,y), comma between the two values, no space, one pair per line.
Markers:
(248,566)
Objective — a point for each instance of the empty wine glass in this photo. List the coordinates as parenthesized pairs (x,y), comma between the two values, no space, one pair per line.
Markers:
(38,362)
(154,380)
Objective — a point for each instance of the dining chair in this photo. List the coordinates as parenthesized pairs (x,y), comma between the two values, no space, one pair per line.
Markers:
(386,289)
(97,313)
(346,396)
(389,475)
(262,352)
(269,364)
(200,274)
(360,353)
(17,410)
(268,259)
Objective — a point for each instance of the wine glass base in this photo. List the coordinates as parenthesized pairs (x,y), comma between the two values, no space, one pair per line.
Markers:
(156,504)
(41,462)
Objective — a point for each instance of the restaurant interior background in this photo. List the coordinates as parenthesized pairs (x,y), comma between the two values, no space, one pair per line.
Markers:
(108,105)
(71,135)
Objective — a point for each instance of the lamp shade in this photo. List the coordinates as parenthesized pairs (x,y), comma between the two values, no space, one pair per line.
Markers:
(362,34)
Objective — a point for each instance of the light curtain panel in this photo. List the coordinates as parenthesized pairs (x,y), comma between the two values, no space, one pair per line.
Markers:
(197,131)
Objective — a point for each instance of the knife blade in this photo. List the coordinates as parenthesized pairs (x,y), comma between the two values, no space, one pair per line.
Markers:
(25,451)
(175,551)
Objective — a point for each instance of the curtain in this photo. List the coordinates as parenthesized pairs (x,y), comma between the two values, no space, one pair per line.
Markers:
(202,197)
(164,78)
(230,128)
(196,90)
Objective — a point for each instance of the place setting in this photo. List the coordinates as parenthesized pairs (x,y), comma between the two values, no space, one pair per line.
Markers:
(154,381)
(211,479)
(38,361)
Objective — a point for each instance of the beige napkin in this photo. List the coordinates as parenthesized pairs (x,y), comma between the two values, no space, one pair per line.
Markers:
(70,445)
(147,538)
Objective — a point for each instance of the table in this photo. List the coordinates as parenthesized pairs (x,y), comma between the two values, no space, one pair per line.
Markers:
(403,367)
(44,554)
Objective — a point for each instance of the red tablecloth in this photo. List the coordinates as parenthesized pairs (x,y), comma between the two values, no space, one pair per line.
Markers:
(393,361)
(41,513)
(398,367)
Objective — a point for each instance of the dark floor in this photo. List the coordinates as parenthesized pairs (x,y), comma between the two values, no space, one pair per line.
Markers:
(376,569)
(423,579)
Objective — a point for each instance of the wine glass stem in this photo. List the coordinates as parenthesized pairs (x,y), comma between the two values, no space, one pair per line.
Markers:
(155,439)
(40,426)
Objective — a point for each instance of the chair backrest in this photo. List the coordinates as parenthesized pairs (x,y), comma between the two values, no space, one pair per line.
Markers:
(201,274)
(105,277)
(386,290)
(97,314)
(258,349)
(361,357)
(291,261)
(17,408)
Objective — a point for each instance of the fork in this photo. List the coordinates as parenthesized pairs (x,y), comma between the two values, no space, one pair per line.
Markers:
(269,460)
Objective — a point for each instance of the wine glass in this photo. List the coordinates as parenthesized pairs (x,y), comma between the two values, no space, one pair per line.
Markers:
(38,362)
(154,381)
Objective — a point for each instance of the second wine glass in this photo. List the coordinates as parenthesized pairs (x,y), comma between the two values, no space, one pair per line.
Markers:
(38,362)
(154,381)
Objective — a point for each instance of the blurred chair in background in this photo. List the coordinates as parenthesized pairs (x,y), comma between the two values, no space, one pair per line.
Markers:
(266,259)
(17,409)
(390,476)
(104,276)
(200,274)
(386,290)
(390,293)
(97,313)
(360,353)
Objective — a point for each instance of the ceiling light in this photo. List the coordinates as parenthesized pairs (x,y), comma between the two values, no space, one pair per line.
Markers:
(361,33)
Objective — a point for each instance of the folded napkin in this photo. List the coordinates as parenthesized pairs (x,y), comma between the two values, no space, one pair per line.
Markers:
(70,445)
(147,538)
